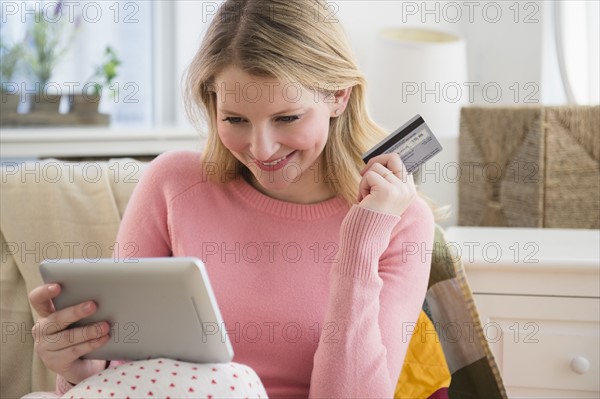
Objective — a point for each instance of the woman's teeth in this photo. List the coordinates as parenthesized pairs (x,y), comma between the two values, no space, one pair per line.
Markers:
(275,162)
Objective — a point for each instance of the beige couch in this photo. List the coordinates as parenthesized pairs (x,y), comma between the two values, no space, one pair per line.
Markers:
(54,209)
(50,209)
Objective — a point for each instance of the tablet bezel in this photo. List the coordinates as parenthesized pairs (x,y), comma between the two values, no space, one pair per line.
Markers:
(157,307)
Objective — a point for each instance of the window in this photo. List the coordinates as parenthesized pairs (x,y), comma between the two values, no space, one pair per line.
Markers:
(87,28)
(576,24)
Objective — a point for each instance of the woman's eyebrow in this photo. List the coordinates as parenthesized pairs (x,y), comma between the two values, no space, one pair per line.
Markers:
(287,111)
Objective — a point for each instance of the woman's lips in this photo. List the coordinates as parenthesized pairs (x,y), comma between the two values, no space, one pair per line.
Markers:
(276,164)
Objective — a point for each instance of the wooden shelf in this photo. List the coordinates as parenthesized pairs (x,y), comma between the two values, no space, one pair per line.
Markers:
(44,119)
(75,142)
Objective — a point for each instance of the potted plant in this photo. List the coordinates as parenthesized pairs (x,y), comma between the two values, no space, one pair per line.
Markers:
(102,77)
(9,59)
(48,45)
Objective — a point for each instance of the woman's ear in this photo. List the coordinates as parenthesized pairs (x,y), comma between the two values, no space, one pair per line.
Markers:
(340,97)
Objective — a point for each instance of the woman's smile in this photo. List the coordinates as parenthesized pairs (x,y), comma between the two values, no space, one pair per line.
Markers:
(280,138)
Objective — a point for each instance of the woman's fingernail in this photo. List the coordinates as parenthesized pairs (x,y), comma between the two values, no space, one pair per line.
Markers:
(52,287)
(87,308)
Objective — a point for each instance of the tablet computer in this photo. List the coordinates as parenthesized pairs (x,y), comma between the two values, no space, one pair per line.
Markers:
(156,307)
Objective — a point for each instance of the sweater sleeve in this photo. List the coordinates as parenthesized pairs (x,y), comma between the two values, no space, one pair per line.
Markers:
(144,231)
(377,288)
(63,386)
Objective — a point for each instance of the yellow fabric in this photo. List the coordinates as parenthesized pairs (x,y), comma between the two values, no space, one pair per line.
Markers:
(425,369)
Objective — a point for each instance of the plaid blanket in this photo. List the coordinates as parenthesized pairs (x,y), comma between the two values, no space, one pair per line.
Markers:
(449,304)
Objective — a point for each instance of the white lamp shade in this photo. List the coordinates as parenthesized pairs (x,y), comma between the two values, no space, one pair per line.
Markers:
(418,71)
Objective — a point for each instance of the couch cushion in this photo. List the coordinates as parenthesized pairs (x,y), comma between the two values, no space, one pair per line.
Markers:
(52,209)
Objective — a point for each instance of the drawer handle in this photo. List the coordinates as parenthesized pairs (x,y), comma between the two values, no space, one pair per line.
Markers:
(580,365)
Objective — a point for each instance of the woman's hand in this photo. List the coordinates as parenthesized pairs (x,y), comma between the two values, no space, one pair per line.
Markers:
(386,186)
(59,347)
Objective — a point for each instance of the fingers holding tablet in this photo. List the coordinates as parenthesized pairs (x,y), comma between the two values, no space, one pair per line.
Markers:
(41,298)
(52,329)
(59,346)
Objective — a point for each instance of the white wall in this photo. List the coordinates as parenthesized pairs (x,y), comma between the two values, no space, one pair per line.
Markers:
(504,40)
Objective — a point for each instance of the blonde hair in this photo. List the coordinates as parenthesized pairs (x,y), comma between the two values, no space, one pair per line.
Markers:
(290,41)
(295,41)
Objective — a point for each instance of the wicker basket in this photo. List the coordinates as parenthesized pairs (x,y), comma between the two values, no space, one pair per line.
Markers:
(530,167)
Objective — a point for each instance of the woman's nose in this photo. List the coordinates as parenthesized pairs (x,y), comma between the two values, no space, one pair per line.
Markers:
(263,145)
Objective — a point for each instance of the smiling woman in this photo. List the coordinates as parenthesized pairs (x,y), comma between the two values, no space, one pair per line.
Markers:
(287,124)
(279,138)
(310,65)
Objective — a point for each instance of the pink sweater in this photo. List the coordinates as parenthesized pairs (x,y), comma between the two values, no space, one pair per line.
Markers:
(319,299)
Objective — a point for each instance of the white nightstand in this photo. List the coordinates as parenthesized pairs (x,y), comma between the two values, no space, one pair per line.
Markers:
(538,295)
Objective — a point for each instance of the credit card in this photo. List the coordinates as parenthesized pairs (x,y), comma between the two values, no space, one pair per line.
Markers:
(414,142)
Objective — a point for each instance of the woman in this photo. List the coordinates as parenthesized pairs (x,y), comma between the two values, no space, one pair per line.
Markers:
(305,246)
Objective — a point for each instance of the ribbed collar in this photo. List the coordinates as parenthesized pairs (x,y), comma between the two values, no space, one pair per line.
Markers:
(285,209)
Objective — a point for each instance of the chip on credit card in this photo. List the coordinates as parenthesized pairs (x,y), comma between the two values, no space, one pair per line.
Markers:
(413,141)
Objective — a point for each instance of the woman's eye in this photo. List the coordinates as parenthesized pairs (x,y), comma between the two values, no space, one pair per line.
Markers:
(232,120)
(288,119)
